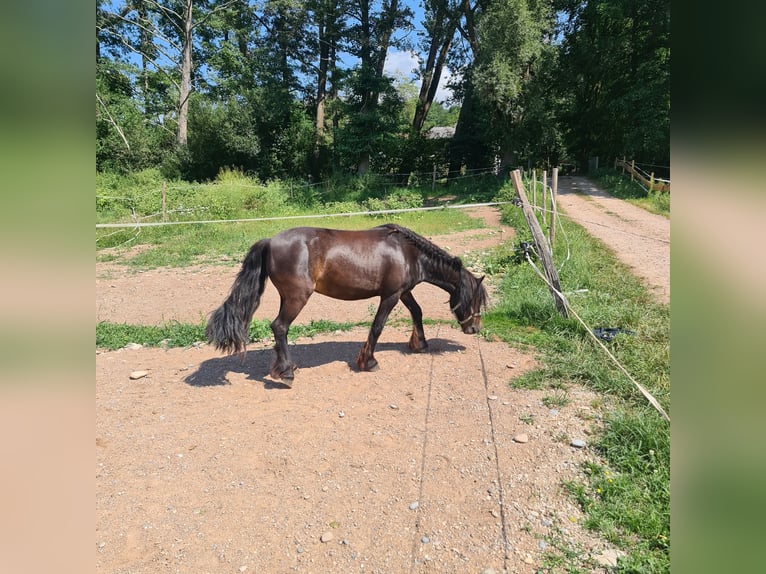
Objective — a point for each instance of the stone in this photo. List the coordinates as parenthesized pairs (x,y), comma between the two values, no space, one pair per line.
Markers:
(414,505)
(578,443)
(138,375)
(608,558)
(327,536)
(521,438)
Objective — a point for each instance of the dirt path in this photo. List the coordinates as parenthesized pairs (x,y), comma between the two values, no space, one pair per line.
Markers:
(205,465)
(638,238)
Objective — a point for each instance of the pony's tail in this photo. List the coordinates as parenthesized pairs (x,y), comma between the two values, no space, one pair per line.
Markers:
(228,326)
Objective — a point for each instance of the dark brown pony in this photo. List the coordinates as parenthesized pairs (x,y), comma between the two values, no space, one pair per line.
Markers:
(386,261)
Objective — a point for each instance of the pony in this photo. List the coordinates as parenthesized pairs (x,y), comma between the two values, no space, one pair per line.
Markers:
(387,261)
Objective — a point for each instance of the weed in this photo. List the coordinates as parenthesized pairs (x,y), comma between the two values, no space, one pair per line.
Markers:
(556,400)
(528,419)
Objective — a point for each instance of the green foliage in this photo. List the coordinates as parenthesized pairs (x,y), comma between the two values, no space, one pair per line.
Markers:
(616,67)
(233,195)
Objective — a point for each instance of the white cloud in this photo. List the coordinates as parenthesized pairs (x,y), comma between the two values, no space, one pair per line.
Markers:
(403,66)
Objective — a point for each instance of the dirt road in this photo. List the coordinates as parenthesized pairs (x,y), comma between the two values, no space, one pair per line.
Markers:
(638,238)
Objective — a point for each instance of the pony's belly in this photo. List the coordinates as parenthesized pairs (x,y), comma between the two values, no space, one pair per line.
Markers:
(345,292)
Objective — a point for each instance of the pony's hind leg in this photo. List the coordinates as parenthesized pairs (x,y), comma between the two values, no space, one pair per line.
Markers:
(283,367)
(417,343)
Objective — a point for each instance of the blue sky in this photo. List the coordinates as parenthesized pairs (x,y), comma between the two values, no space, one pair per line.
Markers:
(400,64)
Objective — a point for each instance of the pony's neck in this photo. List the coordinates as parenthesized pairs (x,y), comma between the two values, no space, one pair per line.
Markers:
(441,275)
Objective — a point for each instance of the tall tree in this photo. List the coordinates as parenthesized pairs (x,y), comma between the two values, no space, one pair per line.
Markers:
(371,35)
(441,21)
(505,39)
(617,57)
(165,31)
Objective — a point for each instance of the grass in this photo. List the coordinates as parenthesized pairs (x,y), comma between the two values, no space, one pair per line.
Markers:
(621,186)
(626,497)
(123,199)
(111,336)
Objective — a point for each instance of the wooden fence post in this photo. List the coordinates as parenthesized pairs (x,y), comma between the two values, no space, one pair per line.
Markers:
(632,169)
(543,249)
(164,198)
(545,204)
(651,182)
(554,192)
(545,187)
(534,188)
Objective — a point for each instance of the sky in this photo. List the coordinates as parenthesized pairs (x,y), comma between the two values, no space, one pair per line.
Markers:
(400,64)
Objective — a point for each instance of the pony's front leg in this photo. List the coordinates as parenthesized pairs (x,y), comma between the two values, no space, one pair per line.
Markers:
(365,360)
(417,343)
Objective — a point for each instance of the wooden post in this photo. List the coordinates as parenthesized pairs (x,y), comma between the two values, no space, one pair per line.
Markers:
(632,169)
(545,187)
(542,247)
(164,199)
(651,182)
(534,188)
(554,192)
(433,180)
(545,203)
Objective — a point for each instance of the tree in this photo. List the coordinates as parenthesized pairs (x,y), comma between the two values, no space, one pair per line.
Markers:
(505,40)
(161,34)
(370,37)
(441,21)
(617,56)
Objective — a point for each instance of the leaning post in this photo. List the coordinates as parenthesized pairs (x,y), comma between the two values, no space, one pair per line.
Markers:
(554,193)
(542,247)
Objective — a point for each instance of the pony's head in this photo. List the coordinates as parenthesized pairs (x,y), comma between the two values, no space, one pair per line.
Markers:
(467,301)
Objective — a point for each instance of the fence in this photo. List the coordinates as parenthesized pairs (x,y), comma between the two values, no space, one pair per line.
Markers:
(647,180)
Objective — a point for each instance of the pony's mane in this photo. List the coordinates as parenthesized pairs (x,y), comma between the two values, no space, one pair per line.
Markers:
(431,250)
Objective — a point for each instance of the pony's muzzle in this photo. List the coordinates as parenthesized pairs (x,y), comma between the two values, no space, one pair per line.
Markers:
(473,327)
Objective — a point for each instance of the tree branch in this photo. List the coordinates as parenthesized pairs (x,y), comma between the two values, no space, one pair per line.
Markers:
(113,122)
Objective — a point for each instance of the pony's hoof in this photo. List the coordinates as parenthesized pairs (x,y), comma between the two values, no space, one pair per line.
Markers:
(286,377)
(422,349)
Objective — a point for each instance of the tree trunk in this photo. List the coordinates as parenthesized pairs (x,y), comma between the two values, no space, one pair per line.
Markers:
(441,40)
(186,70)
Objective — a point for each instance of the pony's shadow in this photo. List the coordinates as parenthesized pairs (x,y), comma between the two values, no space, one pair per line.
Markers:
(213,372)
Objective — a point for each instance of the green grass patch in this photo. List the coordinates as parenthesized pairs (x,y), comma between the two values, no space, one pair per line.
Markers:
(627,498)
(111,336)
(138,198)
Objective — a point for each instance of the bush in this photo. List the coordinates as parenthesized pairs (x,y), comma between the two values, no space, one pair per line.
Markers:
(397,199)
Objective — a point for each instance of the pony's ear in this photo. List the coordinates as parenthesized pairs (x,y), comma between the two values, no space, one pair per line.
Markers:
(481,279)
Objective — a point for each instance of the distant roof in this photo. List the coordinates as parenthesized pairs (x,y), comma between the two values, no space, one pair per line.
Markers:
(440,132)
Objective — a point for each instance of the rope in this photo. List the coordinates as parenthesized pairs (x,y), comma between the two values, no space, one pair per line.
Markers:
(501,490)
(290,217)
(423,459)
(653,401)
